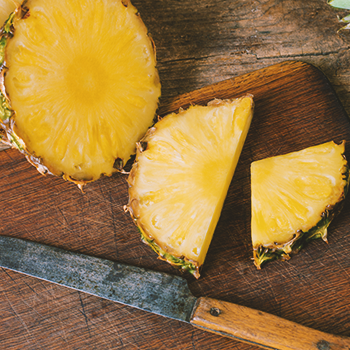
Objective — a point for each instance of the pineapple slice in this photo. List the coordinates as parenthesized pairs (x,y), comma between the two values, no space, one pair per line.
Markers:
(6,8)
(178,184)
(81,87)
(294,199)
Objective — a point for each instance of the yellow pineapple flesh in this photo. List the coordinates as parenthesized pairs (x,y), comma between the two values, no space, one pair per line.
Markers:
(82,85)
(181,176)
(294,198)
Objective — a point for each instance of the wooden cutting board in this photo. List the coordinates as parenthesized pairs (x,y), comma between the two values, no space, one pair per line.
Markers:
(295,108)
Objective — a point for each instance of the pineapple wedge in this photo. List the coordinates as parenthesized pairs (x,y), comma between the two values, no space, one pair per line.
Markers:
(80,86)
(179,181)
(294,199)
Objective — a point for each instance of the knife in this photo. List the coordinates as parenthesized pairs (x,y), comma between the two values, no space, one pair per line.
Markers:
(163,294)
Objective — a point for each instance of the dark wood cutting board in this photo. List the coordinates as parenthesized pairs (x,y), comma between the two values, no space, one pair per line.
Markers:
(295,107)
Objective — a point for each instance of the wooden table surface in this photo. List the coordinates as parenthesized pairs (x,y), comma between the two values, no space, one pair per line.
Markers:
(199,42)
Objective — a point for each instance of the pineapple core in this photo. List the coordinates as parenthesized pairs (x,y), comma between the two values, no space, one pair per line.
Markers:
(182,172)
(83,84)
(292,196)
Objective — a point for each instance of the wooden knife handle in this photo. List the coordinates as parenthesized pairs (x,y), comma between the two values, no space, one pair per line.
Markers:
(261,329)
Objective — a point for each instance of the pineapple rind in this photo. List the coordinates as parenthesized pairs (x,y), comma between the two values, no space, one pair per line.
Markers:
(5,111)
(3,42)
(262,254)
(7,27)
(182,264)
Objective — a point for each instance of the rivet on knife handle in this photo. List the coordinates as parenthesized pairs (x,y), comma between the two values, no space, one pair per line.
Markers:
(261,329)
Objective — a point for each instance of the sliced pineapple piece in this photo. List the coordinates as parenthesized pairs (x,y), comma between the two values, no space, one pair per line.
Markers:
(82,85)
(294,199)
(179,181)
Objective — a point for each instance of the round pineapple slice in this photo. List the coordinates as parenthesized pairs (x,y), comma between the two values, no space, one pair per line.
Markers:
(81,84)
(294,199)
(180,179)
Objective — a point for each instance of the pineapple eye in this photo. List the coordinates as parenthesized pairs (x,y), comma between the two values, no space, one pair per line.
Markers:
(118,164)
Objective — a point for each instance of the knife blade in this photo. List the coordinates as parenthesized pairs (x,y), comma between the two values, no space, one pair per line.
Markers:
(161,293)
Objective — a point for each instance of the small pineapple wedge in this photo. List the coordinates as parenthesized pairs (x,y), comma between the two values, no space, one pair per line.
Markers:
(179,181)
(6,8)
(80,85)
(294,199)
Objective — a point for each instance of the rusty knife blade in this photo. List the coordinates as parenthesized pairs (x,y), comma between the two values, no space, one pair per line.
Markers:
(156,292)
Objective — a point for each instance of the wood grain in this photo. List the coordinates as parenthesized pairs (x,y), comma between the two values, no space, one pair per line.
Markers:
(261,329)
(295,107)
(201,42)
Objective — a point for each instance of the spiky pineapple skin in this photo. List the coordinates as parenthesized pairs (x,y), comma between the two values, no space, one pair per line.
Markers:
(181,263)
(263,254)
(7,134)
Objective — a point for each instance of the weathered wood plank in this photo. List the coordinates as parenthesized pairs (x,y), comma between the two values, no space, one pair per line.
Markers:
(295,108)
(199,42)
(204,42)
